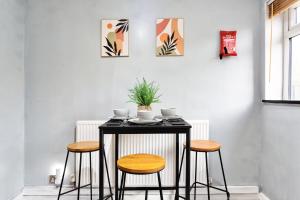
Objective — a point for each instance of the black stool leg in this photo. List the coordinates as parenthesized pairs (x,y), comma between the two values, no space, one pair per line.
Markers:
(79,177)
(122,180)
(207,176)
(195,190)
(181,163)
(146,195)
(228,194)
(123,190)
(91,175)
(63,176)
(108,179)
(160,188)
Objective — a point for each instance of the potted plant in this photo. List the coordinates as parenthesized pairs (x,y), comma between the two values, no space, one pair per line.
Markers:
(143,94)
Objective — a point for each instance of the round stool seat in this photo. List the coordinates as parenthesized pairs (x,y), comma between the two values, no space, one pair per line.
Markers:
(141,163)
(204,145)
(85,146)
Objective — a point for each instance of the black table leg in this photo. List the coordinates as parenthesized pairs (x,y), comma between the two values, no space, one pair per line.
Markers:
(116,168)
(101,166)
(177,167)
(188,167)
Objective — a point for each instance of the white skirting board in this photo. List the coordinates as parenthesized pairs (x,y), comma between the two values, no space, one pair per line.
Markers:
(53,191)
(262,196)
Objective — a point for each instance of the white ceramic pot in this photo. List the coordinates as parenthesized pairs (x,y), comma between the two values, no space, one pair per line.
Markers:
(145,115)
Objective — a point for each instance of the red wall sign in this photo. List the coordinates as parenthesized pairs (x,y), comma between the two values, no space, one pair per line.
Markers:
(227,43)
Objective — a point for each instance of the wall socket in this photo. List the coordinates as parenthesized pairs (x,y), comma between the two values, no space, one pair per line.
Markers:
(210,180)
(52,179)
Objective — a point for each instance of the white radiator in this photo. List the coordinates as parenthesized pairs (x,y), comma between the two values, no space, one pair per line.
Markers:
(160,144)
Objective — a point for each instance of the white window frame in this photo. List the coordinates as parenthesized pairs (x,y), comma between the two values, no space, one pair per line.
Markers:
(290,30)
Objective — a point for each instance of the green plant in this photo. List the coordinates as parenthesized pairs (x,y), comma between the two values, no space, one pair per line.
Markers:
(144,93)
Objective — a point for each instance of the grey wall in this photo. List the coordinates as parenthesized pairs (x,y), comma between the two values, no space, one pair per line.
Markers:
(280,162)
(67,80)
(12,15)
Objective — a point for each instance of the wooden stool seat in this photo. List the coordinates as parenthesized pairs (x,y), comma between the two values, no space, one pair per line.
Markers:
(141,164)
(86,146)
(204,146)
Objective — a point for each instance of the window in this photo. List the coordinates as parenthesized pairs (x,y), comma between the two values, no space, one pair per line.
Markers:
(282,54)
(295,68)
(298,15)
(291,54)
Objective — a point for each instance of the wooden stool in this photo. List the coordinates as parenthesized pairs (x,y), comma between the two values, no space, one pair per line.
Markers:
(83,147)
(140,164)
(205,146)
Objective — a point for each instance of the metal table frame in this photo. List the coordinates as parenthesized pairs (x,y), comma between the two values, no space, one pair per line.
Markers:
(164,128)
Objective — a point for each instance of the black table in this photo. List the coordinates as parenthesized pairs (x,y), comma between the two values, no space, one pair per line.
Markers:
(165,127)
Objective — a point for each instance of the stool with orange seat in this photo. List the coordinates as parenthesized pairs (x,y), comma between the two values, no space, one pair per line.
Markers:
(140,164)
(83,147)
(205,146)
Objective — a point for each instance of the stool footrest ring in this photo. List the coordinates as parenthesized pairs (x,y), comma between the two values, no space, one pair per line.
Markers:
(74,189)
(107,196)
(203,186)
(216,188)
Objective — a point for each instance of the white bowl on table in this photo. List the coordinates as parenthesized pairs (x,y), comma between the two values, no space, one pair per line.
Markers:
(121,112)
(168,112)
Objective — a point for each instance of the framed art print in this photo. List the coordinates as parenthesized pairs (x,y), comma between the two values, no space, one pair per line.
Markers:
(114,38)
(169,37)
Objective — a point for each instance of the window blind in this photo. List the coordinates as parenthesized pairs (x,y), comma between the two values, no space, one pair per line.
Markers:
(278,6)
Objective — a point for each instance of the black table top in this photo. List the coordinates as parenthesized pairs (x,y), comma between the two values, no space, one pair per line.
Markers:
(165,126)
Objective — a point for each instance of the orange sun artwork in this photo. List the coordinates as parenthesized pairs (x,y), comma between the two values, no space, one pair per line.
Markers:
(109,26)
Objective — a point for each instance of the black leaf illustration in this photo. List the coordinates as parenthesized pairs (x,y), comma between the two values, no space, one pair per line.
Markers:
(165,44)
(108,42)
(123,29)
(119,29)
(172,46)
(112,50)
(172,36)
(108,49)
(122,25)
(169,45)
(115,48)
(164,48)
